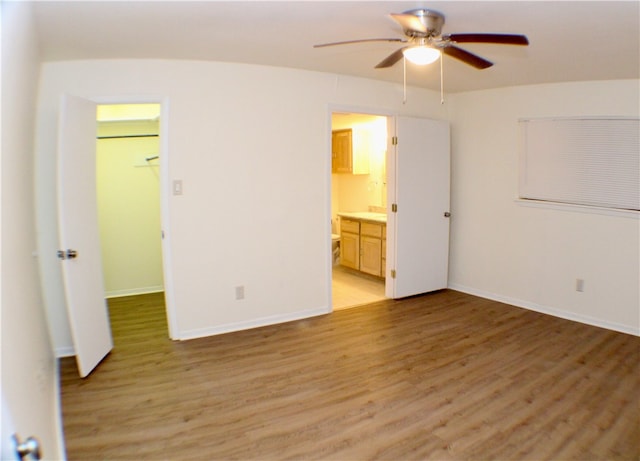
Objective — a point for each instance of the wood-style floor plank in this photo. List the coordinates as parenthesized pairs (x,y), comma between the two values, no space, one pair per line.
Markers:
(445,376)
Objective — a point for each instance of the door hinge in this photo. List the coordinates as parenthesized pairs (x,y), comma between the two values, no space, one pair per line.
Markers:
(394,207)
(69,254)
(394,141)
(393,273)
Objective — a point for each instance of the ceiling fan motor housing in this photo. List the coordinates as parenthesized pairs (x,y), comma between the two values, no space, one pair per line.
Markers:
(430,19)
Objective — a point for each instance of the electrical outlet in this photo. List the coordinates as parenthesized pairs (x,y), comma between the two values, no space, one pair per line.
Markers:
(580,285)
(240,292)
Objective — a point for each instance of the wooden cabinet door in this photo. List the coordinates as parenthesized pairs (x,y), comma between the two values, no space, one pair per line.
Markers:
(341,151)
(350,250)
(371,255)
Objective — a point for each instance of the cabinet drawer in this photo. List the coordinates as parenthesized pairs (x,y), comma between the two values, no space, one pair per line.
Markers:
(371,229)
(347,225)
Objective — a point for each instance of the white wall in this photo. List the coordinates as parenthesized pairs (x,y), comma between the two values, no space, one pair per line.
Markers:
(527,256)
(252,147)
(29,378)
(251,144)
(128,192)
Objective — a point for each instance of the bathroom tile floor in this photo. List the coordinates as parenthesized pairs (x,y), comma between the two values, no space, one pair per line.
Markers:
(352,288)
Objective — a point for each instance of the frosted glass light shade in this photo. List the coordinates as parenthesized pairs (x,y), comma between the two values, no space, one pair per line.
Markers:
(421,55)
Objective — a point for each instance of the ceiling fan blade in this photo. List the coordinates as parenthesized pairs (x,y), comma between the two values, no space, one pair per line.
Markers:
(391,59)
(348,42)
(466,57)
(501,39)
(409,22)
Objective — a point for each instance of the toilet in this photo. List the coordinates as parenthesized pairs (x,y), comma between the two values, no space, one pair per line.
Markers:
(335,248)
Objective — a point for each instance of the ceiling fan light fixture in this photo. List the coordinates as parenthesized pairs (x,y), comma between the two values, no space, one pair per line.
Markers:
(421,54)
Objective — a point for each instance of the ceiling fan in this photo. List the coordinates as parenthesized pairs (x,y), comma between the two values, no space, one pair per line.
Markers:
(425,42)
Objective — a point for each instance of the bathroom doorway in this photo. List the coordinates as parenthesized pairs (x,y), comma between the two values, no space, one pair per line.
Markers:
(358,208)
(128,195)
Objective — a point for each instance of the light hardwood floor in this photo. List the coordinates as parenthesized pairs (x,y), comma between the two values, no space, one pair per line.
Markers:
(441,376)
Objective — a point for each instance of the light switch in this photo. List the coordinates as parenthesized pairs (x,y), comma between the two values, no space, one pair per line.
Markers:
(177,187)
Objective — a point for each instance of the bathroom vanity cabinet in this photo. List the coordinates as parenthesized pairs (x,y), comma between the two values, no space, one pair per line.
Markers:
(363,244)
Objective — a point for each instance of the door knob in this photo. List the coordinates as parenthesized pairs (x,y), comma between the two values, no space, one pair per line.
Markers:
(29,449)
(69,254)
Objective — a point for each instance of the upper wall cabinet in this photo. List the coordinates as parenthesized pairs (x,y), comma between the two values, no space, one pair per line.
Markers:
(350,149)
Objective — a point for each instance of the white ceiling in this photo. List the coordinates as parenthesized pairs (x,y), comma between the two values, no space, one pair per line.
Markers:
(569,40)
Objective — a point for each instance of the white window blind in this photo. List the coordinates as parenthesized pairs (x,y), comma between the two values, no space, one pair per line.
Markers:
(588,161)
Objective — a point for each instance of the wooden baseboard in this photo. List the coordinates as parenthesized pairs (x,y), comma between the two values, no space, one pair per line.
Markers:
(133,291)
(65,351)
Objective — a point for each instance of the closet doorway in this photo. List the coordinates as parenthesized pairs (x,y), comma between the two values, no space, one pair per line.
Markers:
(128,196)
(358,208)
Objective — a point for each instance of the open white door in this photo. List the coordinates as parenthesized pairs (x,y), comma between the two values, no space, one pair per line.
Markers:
(418,232)
(79,233)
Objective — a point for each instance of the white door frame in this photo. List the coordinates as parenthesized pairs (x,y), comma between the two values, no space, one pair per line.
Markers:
(331,108)
(169,294)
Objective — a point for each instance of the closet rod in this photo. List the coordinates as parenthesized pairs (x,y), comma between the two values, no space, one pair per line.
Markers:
(129,136)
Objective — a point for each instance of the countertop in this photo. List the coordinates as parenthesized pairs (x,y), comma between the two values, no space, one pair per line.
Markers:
(364,216)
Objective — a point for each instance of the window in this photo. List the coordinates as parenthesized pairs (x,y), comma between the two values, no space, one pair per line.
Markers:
(582,161)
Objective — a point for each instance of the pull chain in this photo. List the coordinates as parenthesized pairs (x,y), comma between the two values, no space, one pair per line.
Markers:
(441,80)
(404,80)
